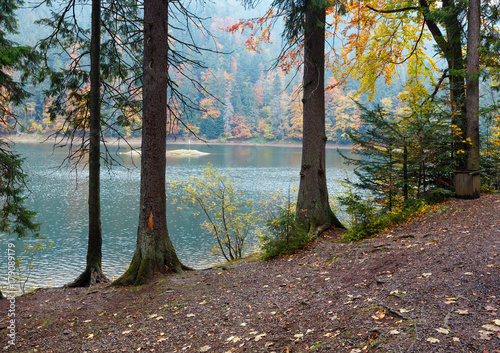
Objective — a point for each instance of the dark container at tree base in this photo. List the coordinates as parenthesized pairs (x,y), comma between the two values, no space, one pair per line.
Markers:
(468,184)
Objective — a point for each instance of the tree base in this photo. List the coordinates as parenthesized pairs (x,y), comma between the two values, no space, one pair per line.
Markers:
(314,225)
(140,270)
(89,277)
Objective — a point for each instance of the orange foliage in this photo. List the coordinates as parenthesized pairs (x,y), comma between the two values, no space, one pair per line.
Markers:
(296,119)
(209,109)
(239,128)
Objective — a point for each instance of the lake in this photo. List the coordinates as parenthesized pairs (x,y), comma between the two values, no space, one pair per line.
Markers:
(59,195)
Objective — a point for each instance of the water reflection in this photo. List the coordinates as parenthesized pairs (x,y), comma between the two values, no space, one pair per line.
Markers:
(60,198)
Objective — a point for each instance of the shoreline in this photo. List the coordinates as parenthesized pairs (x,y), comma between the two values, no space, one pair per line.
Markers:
(135,142)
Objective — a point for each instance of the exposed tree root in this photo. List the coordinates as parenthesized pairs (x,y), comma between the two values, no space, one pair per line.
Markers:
(140,270)
(89,277)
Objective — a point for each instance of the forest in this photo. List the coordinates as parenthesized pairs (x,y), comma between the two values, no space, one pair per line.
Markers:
(411,87)
(244,97)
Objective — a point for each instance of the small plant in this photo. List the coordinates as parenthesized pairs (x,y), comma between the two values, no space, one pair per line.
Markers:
(228,216)
(25,263)
(284,235)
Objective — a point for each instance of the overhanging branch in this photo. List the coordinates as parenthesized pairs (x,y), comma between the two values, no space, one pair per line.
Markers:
(409,8)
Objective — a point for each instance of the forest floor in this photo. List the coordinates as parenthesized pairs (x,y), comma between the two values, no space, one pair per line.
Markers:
(432,285)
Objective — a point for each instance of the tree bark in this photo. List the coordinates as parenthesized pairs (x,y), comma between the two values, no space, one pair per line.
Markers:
(154,251)
(93,272)
(451,47)
(313,209)
(472,97)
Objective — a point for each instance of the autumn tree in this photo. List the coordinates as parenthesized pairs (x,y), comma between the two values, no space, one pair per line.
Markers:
(387,34)
(239,128)
(295,113)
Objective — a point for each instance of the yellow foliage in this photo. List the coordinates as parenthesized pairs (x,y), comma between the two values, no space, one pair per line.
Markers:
(229,217)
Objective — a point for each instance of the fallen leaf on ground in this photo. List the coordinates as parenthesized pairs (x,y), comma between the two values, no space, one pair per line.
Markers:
(496,322)
(378,315)
(490,308)
(451,300)
(443,330)
(462,311)
(397,292)
(394,332)
(90,336)
(259,337)
(205,349)
(485,335)
(428,274)
(126,331)
(491,328)
(432,340)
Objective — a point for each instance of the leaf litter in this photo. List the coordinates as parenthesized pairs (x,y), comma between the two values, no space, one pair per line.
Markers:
(244,306)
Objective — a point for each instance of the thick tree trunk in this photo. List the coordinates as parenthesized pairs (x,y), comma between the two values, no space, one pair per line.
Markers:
(451,47)
(456,66)
(93,272)
(313,209)
(154,251)
(472,97)
(468,181)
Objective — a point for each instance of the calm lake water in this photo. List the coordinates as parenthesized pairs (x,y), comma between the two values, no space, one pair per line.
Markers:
(59,195)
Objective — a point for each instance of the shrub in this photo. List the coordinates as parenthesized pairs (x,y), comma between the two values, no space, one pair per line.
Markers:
(284,236)
(366,220)
(229,217)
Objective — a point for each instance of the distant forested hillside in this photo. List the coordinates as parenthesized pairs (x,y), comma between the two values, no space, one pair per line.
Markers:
(246,97)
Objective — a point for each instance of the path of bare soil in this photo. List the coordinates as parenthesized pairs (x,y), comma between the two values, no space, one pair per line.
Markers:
(428,286)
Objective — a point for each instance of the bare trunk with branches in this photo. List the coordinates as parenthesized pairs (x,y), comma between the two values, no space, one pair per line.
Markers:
(313,209)
(154,251)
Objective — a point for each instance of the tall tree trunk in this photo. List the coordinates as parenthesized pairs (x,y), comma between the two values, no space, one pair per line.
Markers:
(154,251)
(456,66)
(472,97)
(93,272)
(313,208)
(451,47)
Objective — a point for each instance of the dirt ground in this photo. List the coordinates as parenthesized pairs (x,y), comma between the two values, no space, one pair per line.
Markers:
(428,286)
